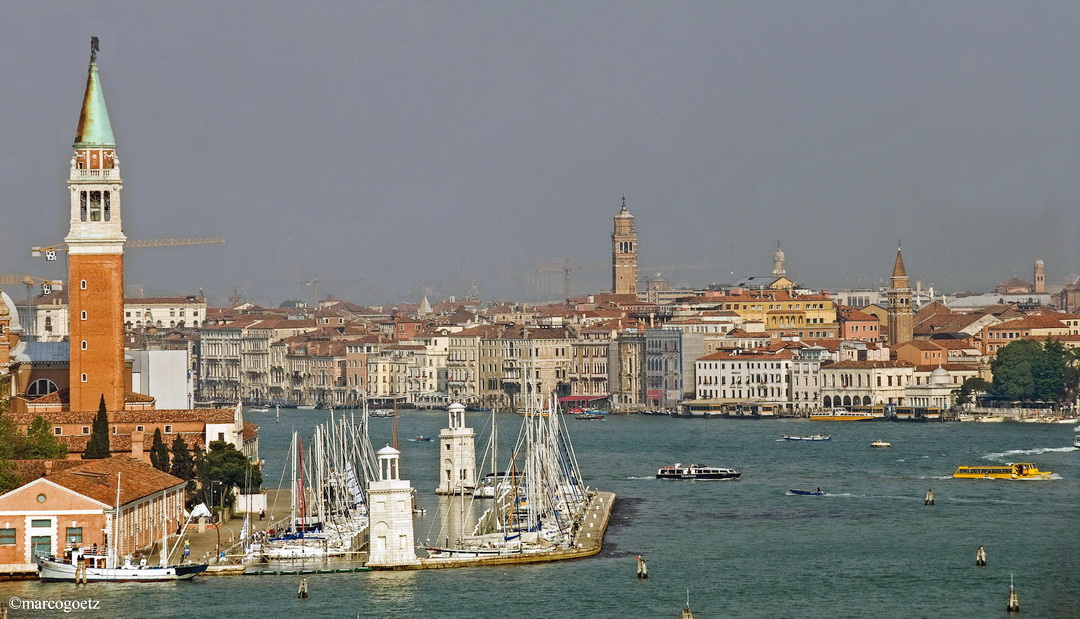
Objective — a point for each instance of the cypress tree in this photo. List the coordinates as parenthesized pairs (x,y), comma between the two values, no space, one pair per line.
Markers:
(159,453)
(183,465)
(98,446)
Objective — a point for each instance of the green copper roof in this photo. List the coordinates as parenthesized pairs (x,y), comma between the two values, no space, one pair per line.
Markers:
(94,126)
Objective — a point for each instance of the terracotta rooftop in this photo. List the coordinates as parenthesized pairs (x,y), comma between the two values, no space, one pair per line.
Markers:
(864,365)
(29,470)
(61,397)
(205,415)
(96,479)
(1035,321)
(921,345)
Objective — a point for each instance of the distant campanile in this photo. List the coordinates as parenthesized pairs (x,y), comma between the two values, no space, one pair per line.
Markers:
(95,244)
(624,253)
(901,315)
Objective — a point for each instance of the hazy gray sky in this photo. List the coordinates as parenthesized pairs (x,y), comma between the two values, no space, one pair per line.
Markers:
(416,147)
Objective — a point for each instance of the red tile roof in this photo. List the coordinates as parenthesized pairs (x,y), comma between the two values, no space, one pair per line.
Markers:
(97,479)
(204,415)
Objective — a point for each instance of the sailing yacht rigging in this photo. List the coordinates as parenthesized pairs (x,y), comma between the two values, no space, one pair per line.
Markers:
(85,565)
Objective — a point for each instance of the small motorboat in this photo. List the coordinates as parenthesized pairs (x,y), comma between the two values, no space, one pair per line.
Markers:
(814,437)
(421,439)
(880,443)
(818,492)
(591,415)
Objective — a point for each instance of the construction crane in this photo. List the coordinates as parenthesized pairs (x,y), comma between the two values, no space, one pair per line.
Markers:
(314,283)
(566,268)
(47,285)
(50,251)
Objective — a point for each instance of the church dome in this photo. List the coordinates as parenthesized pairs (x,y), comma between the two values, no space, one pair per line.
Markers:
(939,376)
(9,311)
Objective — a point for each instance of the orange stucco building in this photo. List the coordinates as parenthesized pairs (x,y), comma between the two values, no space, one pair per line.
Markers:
(78,506)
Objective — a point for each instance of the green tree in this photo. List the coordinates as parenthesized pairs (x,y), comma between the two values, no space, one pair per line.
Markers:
(40,443)
(1012,370)
(1071,377)
(1048,372)
(223,468)
(183,464)
(98,445)
(971,387)
(9,438)
(159,453)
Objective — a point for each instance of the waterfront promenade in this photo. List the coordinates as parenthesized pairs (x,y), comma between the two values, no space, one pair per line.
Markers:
(206,545)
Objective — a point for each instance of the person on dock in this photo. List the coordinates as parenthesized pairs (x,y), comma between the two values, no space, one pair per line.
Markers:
(187,548)
(262,514)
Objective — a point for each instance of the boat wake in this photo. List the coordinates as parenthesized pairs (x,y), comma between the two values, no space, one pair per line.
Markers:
(644,477)
(1027,452)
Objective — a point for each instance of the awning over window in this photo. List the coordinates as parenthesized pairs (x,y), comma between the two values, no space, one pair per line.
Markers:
(581,398)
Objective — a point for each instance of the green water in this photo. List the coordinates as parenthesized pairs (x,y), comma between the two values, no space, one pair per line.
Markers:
(745,548)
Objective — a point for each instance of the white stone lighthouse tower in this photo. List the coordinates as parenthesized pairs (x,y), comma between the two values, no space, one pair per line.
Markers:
(390,514)
(457,454)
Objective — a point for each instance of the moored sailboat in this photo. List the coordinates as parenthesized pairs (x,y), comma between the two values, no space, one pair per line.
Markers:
(540,500)
(87,565)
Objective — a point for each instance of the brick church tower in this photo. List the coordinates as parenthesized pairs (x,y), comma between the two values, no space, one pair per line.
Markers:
(624,265)
(901,315)
(95,244)
(1039,287)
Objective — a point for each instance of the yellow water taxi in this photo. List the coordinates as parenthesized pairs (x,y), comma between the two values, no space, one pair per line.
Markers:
(880,443)
(1017,470)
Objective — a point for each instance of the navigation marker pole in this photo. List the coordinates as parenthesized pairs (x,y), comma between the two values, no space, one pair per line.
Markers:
(1013,606)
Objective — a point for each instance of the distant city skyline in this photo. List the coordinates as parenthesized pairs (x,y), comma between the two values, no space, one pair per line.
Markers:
(395,150)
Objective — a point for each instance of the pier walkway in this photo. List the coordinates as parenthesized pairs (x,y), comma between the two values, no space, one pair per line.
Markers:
(588,541)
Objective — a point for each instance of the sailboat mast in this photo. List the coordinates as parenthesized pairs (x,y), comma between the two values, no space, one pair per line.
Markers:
(303,490)
(114,548)
(394,436)
(295,487)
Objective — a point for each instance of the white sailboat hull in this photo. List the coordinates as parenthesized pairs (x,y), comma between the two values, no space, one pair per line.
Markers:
(50,570)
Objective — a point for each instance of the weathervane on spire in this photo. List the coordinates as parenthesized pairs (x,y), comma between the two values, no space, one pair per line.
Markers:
(93,48)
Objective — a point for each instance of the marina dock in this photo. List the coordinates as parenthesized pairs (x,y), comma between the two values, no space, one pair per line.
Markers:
(588,541)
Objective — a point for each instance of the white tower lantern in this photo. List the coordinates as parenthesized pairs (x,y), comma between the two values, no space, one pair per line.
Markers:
(457,454)
(390,514)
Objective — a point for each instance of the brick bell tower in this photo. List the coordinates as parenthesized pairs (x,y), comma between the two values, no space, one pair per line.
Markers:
(900,313)
(95,257)
(624,267)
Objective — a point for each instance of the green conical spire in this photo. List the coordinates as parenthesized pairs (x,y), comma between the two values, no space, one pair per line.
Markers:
(94,126)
